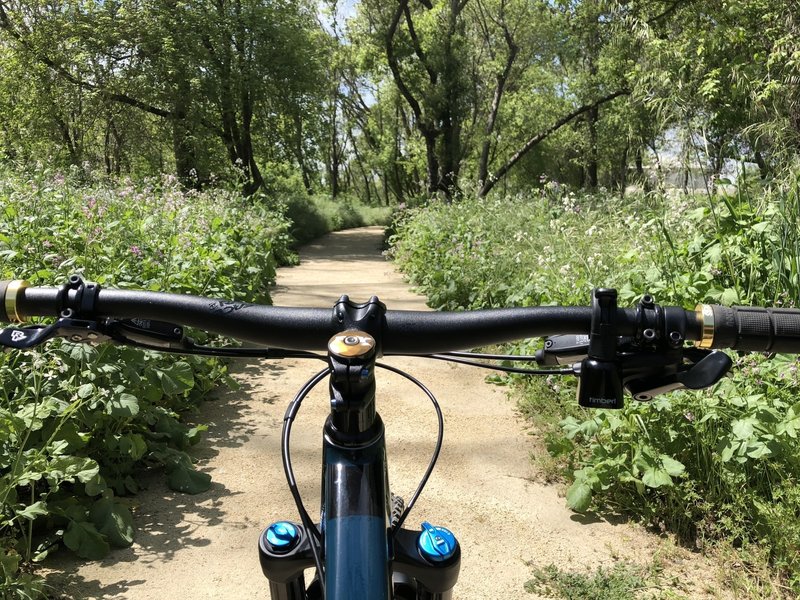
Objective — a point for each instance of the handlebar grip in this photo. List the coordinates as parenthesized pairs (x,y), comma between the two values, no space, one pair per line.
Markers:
(748,328)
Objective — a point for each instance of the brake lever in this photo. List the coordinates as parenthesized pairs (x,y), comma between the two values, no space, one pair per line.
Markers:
(74,330)
(707,369)
(146,332)
(141,332)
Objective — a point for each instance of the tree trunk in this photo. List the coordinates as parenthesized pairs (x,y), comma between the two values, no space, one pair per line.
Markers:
(334,154)
(499,88)
(182,136)
(623,172)
(69,141)
(299,154)
(591,165)
(432,162)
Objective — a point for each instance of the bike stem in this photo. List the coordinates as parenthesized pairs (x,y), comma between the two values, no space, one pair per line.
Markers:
(351,354)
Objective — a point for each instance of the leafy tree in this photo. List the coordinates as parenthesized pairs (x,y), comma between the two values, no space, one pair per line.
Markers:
(478,77)
(216,71)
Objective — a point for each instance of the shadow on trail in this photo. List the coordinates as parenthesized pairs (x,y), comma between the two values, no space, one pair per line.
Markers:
(63,586)
(347,246)
(167,521)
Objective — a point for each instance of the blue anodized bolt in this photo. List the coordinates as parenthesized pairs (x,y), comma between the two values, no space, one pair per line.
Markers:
(282,536)
(436,543)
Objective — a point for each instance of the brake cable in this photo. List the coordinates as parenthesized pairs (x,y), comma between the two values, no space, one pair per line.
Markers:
(291,412)
(460,359)
(436,450)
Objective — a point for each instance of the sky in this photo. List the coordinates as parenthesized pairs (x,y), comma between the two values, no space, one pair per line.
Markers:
(344,10)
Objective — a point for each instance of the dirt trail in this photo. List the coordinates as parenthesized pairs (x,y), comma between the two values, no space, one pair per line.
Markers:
(204,546)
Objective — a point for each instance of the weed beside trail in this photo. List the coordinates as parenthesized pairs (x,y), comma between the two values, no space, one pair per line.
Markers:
(717,467)
(79,423)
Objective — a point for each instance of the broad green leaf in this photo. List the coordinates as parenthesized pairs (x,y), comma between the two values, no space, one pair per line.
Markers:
(758,450)
(133,445)
(85,541)
(68,439)
(176,431)
(169,386)
(655,478)
(195,434)
(151,389)
(579,496)
(728,451)
(124,405)
(72,467)
(729,296)
(183,478)
(761,227)
(95,486)
(743,428)
(37,509)
(182,375)
(714,253)
(9,562)
(113,520)
(86,390)
(559,446)
(570,426)
(673,467)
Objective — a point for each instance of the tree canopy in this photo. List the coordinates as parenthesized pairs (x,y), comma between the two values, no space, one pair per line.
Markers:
(399,99)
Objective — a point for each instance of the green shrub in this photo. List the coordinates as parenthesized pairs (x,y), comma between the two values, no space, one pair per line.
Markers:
(78,423)
(314,216)
(622,582)
(523,251)
(718,465)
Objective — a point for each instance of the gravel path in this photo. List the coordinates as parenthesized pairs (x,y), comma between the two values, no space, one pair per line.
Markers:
(204,546)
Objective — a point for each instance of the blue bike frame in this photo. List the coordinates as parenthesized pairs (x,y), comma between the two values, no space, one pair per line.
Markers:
(362,556)
(356,520)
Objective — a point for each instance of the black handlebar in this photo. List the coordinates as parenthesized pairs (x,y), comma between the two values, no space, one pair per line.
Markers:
(407,332)
(403,332)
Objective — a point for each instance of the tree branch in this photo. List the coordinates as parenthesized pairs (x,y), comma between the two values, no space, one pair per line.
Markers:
(432,75)
(669,10)
(395,67)
(7,25)
(539,137)
(500,85)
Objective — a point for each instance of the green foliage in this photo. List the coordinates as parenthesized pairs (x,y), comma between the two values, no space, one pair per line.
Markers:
(119,87)
(719,465)
(552,247)
(314,216)
(77,423)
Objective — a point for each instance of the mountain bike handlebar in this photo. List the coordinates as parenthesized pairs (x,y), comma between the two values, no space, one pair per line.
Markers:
(405,332)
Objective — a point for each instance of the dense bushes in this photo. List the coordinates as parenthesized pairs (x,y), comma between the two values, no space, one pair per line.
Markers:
(77,423)
(723,464)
